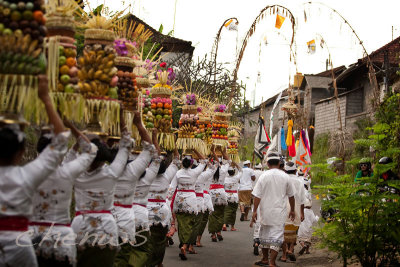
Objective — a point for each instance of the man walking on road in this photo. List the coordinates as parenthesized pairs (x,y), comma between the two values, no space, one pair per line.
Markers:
(271,193)
(245,187)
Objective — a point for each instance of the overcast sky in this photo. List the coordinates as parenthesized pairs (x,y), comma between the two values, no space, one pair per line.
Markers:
(198,21)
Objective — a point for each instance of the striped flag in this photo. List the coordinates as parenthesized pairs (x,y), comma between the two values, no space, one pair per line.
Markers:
(262,140)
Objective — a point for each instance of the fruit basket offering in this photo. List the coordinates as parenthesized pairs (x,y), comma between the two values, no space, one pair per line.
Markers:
(190,134)
(62,68)
(234,135)
(161,108)
(98,75)
(127,89)
(220,125)
(22,31)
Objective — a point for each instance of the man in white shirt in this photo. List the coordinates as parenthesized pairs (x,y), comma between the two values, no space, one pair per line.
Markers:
(258,170)
(270,194)
(291,226)
(245,188)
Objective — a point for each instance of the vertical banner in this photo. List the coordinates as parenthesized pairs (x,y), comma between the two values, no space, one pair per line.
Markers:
(272,113)
(261,141)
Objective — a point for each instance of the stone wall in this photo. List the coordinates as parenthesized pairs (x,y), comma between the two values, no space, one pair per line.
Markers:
(326,115)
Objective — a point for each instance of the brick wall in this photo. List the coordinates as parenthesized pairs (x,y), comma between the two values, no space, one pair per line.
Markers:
(355,102)
(326,116)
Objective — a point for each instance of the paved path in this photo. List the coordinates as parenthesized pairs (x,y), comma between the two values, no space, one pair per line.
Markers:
(235,250)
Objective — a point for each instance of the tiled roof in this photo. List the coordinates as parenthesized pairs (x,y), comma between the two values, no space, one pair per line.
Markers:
(169,43)
(393,49)
(328,73)
(314,81)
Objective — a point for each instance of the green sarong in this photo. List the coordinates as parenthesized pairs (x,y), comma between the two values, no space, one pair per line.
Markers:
(123,256)
(96,256)
(216,219)
(230,213)
(141,251)
(203,223)
(196,227)
(158,243)
(186,222)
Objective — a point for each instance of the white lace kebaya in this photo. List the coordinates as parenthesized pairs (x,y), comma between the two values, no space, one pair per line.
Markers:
(94,196)
(184,182)
(231,187)
(142,189)
(51,205)
(200,185)
(217,189)
(18,185)
(125,190)
(158,209)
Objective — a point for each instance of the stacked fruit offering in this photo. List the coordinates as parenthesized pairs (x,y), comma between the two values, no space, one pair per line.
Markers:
(22,31)
(68,71)
(161,109)
(148,117)
(234,135)
(190,134)
(97,72)
(220,126)
(127,87)
(205,128)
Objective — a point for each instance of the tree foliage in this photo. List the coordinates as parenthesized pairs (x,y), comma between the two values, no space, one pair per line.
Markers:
(366,226)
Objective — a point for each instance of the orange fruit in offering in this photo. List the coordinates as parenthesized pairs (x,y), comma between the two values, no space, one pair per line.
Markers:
(38,16)
(71,62)
(64,69)
(159,105)
(153,106)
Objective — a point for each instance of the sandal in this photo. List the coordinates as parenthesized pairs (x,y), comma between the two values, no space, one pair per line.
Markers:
(280,259)
(170,241)
(261,263)
(213,238)
(233,229)
(220,238)
(291,256)
(224,228)
(255,251)
(182,255)
(199,245)
(192,251)
(301,252)
(242,217)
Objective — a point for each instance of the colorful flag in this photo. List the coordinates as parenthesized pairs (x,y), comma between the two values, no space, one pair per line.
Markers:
(311,46)
(274,146)
(230,25)
(262,140)
(279,21)
(302,155)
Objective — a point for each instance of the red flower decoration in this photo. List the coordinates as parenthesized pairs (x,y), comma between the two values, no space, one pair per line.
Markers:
(163,64)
